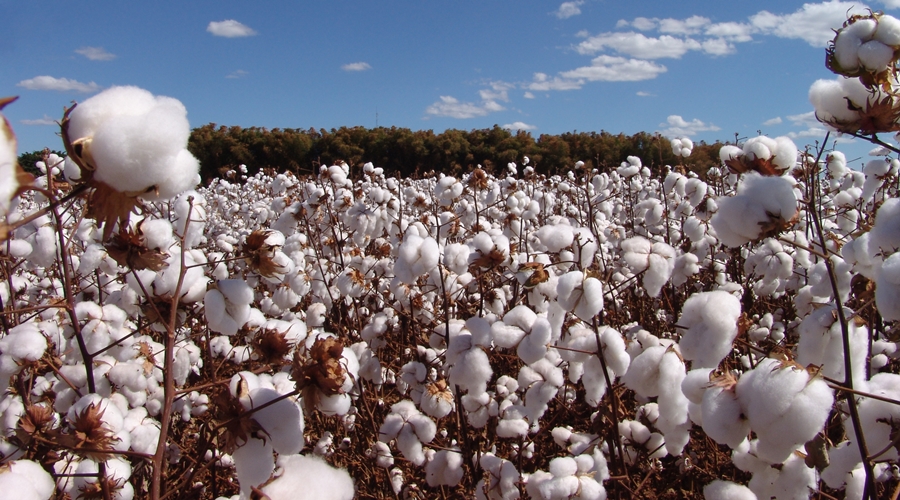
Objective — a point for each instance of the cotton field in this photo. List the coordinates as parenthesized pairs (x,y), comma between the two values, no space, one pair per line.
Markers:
(620,332)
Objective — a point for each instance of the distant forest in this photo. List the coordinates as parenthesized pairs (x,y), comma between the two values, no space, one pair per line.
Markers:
(403,152)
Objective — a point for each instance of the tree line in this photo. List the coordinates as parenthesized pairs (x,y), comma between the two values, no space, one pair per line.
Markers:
(404,152)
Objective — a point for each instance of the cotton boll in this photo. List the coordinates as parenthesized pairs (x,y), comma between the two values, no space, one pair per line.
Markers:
(445,468)
(887,288)
(253,463)
(760,202)
(708,327)
(282,421)
(846,49)
(888,30)
(722,415)
(580,295)
(821,344)
(726,490)
(784,406)
(875,56)
(227,307)
(309,478)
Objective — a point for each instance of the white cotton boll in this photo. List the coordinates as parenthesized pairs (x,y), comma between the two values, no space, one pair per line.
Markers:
(695,384)
(584,297)
(227,307)
(253,463)
(416,256)
(875,56)
(726,490)
(828,100)
(444,469)
(24,342)
(309,478)
(821,344)
(708,327)
(784,153)
(864,29)
(759,201)
(722,416)
(555,237)
(282,421)
(643,374)
(784,406)
(887,288)
(534,346)
(888,30)
(846,49)
(729,152)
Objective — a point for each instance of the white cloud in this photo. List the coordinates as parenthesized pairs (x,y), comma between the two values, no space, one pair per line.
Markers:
(95,53)
(499,91)
(542,82)
(237,74)
(518,126)
(45,82)
(812,23)
(891,4)
(638,45)
(772,121)
(641,93)
(453,108)
(615,69)
(357,66)
(818,132)
(528,95)
(717,47)
(569,9)
(639,23)
(676,126)
(804,119)
(229,28)
(46,120)
(689,26)
(731,31)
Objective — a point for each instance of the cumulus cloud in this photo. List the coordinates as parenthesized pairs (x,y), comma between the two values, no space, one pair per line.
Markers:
(689,26)
(229,28)
(569,9)
(237,74)
(542,82)
(638,45)
(812,23)
(46,120)
(528,95)
(732,31)
(615,69)
(676,126)
(95,53)
(45,82)
(518,126)
(357,66)
(454,108)
(772,121)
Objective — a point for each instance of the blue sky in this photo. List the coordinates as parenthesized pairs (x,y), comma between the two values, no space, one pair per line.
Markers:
(702,69)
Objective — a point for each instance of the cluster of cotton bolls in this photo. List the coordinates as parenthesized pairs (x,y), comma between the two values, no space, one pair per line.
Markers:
(384,322)
(682,146)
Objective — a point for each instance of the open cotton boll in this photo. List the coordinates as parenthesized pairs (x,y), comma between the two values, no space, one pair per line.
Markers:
(555,237)
(415,257)
(888,30)
(579,295)
(282,421)
(227,307)
(444,468)
(821,344)
(299,477)
(410,427)
(24,342)
(726,490)
(137,141)
(708,327)
(887,288)
(27,480)
(762,205)
(875,56)
(253,463)
(722,415)
(784,405)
